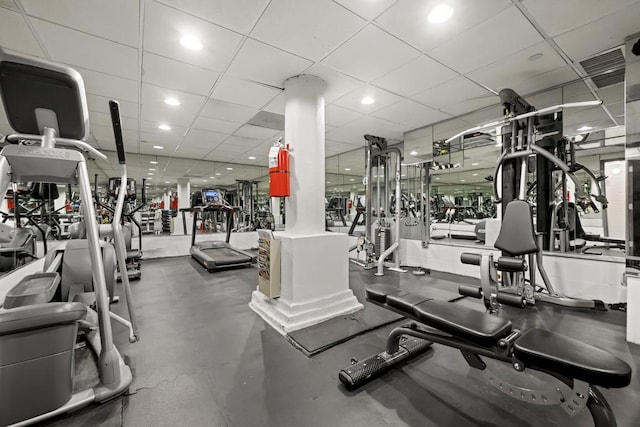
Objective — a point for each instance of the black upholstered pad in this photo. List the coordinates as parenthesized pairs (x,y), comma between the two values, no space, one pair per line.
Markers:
(378,293)
(543,349)
(466,323)
(405,301)
(517,236)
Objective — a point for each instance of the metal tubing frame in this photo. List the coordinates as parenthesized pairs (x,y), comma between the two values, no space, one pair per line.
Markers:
(597,405)
(108,366)
(121,254)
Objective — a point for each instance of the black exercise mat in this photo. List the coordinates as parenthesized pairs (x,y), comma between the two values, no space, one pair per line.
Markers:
(320,337)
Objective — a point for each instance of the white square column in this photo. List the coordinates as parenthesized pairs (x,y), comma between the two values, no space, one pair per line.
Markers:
(314,263)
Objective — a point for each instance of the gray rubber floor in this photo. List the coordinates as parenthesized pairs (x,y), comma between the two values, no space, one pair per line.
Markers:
(206,359)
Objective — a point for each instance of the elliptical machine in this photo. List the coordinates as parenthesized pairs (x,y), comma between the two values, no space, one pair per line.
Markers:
(46,104)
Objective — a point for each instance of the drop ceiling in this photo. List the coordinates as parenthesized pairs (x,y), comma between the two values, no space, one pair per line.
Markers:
(418,73)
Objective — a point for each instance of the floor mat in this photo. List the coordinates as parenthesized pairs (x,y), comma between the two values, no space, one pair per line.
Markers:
(320,337)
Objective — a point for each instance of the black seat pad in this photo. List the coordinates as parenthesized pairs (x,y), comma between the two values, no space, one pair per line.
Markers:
(378,293)
(517,236)
(546,350)
(466,323)
(405,301)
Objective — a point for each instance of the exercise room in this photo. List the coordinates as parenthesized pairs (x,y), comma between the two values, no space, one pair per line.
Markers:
(289,213)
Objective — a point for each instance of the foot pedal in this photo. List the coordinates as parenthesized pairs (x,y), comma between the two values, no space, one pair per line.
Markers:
(364,371)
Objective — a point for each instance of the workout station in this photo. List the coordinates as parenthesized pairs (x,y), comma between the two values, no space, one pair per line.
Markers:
(320,213)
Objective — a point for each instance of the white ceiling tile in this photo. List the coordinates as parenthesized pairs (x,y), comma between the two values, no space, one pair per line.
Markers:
(161,71)
(484,44)
(240,144)
(165,26)
(573,118)
(559,17)
(353,100)
(410,114)
(154,109)
(370,54)
(166,140)
(472,104)
(520,69)
(265,64)
(115,20)
(106,85)
(243,92)
(87,51)
(368,9)
(451,92)
(407,19)
(205,140)
(103,119)
(9,4)
(215,125)
(338,116)
(237,15)
(353,132)
(15,34)
(601,34)
(101,104)
(338,84)
(175,133)
(104,135)
(415,76)
(546,80)
(258,132)
(545,99)
(221,155)
(276,105)
(319,26)
(228,111)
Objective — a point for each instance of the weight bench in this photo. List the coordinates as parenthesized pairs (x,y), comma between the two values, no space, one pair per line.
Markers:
(578,366)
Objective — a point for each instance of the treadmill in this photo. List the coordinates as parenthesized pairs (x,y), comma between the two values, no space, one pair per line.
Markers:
(215,255)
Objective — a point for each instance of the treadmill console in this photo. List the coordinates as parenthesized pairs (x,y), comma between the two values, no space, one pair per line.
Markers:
(211,197)
(114,187)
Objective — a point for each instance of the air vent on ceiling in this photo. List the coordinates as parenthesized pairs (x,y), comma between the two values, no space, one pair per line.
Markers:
(605,69)
(269,120)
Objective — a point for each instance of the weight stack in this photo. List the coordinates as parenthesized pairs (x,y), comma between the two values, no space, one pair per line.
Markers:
(383,242)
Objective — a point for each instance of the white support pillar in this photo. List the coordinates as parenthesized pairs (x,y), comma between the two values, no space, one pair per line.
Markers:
(314,263)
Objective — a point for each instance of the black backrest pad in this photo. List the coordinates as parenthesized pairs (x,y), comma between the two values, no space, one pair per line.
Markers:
(26,88)
(517,236)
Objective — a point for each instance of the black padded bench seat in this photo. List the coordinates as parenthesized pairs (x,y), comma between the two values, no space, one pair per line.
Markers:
(546,350)
(472,325)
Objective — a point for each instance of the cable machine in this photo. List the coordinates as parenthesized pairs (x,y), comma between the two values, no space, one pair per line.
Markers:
(382,235)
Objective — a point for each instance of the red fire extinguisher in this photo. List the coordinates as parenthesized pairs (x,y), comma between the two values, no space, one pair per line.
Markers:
(279,171)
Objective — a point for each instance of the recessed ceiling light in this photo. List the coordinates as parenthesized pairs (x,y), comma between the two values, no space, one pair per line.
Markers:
(584,128)
(440,14)
(149,178)
(172,101)
(153,162)
(474,174)
(191,43)
(164,127)
(229,169)
(367,100)
(167,182)
(251,157)
(204,180)
(413,153)
(437,178)
(536,56)
(158,147)
(475,164)
(152,169)
(149,173)
(463,180)
(347,169)
(351,179)
(218,174)
(328,182)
